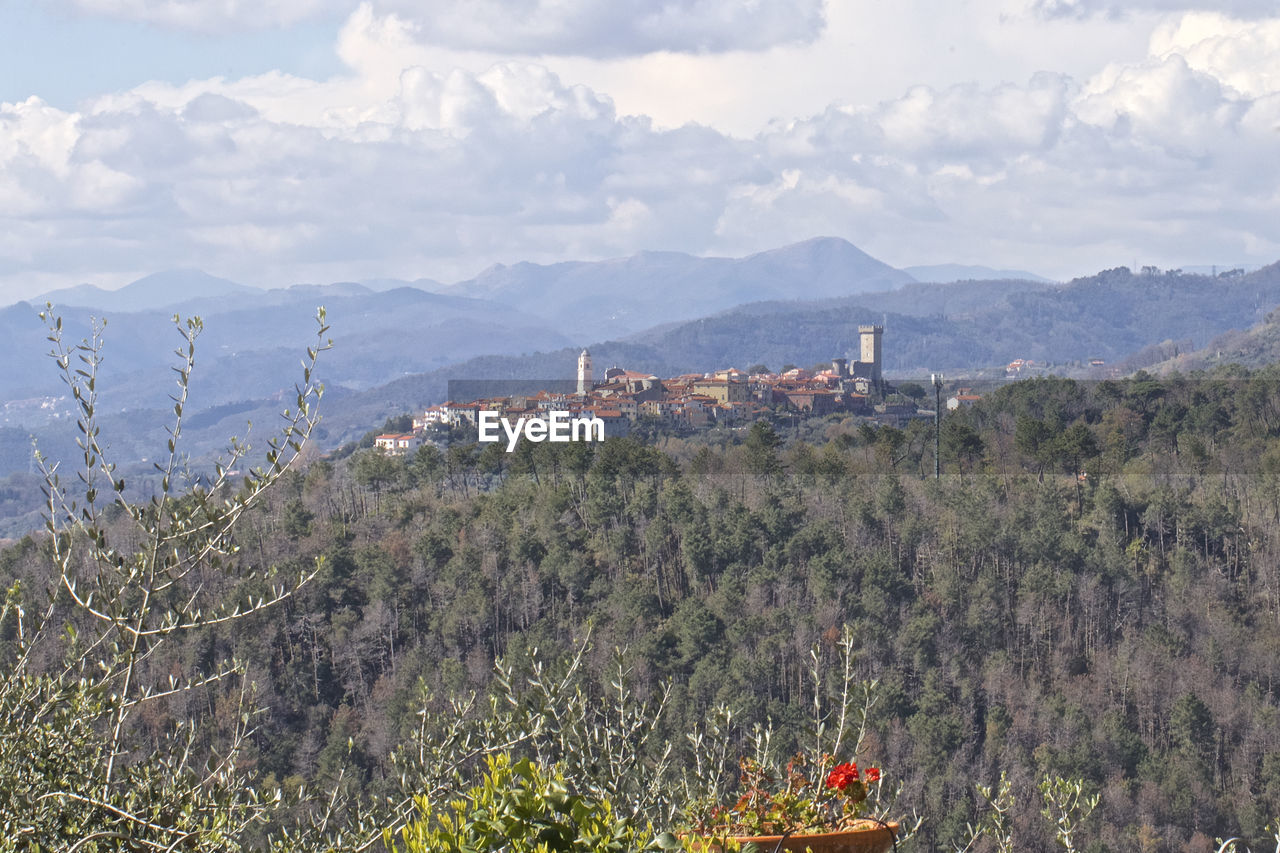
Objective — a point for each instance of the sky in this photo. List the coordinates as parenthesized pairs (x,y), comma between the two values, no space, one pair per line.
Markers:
(283,141)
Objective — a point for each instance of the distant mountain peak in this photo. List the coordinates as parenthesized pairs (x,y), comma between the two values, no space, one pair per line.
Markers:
(812,246)
(623,295)
(165,289)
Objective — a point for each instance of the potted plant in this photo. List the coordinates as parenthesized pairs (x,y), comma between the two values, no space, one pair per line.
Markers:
(818,808)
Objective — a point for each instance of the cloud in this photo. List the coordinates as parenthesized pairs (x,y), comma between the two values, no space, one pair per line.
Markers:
(41,174)
(210,16)
(599,28)
(1244,55)
(216,109)
(407,168)
(980,126)
(1162,159)
(1084,8)
(447,173)
(604,28)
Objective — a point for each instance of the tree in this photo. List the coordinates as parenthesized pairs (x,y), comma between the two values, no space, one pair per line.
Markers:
(960,441)
(398,423)
(132,577)
(762,449)
(1033,437)
(1075,445)
(914,390)
(1191,726)
(375,470)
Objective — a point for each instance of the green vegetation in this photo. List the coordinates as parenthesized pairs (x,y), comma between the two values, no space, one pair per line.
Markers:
(1090,593)
(521,808)
(98,751)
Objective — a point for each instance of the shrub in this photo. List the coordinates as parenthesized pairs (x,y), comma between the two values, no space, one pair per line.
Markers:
(517,807)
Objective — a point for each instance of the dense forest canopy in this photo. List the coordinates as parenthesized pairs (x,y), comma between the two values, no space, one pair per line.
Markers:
(1091,590)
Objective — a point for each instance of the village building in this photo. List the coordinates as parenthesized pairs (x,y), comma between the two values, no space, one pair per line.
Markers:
(622,396)
(964,397)
(724,390)
(397,443)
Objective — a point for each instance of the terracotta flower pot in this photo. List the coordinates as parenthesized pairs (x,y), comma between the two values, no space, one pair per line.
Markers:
(868,836)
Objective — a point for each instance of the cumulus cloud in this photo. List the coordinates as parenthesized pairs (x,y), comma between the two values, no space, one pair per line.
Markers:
(408,169)
(1160,158)
(1242,54)
(447,173)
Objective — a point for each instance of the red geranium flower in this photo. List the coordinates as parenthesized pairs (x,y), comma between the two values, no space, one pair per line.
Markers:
(873,774)
(842,776)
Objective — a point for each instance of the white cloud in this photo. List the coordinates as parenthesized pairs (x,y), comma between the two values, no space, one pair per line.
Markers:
(1115,8)
(40,172)
(1159,159)
(447,170)
(601,28)
(414,166)
(1242,54)
(974,124)
(613,27)
(209,15)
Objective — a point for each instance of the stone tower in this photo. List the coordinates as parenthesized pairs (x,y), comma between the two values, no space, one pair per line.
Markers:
(584,373)
(871,353)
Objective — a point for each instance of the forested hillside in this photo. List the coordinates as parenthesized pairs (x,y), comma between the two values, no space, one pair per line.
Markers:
(1091,590)
(968,324)
(1254,347)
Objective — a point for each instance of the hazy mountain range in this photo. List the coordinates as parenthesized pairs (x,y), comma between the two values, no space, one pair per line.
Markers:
(397,343)
(384,329)
(607,299)
(599,298)
(944,273)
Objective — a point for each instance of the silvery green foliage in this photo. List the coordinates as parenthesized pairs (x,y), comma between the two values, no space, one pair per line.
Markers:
(996,824)
(707,775)
(73,775)
(1066,807)
(1232,845)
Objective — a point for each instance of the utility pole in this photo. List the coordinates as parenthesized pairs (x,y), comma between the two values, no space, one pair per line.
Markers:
(936,379)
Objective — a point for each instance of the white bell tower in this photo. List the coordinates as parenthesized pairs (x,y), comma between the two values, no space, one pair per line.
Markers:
(584,374)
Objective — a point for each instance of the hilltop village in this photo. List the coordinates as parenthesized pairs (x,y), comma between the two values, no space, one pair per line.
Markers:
(693,401)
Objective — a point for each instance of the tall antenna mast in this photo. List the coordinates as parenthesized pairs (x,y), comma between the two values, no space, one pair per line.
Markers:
(936,379)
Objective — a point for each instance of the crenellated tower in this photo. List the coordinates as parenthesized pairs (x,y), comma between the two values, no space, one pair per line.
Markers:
(869,359)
